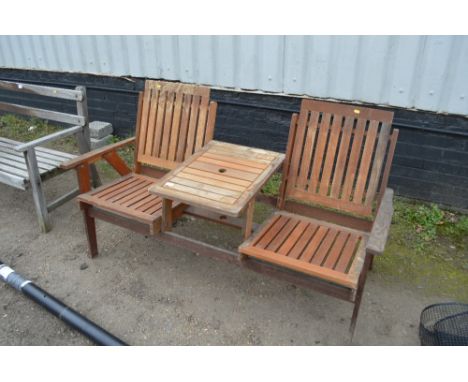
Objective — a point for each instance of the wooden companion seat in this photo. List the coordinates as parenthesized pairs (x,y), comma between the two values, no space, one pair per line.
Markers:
(338,158)
(174,121)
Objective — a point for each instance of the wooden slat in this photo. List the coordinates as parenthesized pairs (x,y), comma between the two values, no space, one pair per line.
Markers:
(341,158)
(231,173)
(52,157)
(129,191)
(309,142)
(228,164)
(236,160)
(351,170)
(151,127)
(213,182)
(42,113)
(184,125)
(14,164)
(19,158)
(167,130)
(159,124)
(325,246)
(282,235)
(297,144)
(210,125)
(206,187)
(337,204)
(200,193)
(134,198)
(120,183)
(222,178)
(202,118)
(378,163)
(144,143)
(319,152)
(272,231)
(366,159)
(176,129)
(47,91)
(330,156)
(347,254)
(301,266)
(14,171)
(122,191)
(244,152)
(192,130)
(313,245)
(154,208)
(143,203)
(13,180)
(294,236)
(306,237)
(336,250)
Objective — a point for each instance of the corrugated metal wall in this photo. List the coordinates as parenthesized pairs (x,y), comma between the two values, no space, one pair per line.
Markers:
(422,72)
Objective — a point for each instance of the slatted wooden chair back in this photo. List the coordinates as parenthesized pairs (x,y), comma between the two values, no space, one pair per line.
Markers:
(174,121)
(339,156)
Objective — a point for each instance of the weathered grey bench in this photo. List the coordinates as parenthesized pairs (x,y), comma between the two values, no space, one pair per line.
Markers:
(27,165)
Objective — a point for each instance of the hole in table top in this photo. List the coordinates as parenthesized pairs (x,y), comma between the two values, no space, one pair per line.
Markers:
(221,170)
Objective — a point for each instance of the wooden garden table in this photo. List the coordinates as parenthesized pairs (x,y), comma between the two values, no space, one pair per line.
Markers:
(222,178)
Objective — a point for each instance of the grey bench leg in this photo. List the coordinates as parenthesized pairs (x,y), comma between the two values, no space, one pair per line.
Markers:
(37,192)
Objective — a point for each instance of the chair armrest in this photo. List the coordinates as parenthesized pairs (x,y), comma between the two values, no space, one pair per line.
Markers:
(51,137)
(95,155)
(381,227)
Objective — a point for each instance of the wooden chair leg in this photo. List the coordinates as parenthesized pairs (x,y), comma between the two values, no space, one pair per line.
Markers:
(359,292)
(371,265)
(40,203)
(249,218)
(166,218)
(90,227)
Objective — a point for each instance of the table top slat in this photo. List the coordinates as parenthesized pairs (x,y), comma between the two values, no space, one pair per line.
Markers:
(221,177)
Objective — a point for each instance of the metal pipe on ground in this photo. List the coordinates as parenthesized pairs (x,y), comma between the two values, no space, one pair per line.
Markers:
(71,317)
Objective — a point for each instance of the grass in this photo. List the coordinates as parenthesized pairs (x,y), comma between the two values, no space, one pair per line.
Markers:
(27,129)
(427,248)
(272,187)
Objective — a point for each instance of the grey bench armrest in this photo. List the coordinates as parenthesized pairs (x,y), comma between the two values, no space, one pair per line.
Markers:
(381,228)
(51,137)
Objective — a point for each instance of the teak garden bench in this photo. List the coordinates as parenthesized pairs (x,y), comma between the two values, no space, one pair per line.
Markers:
(338,157)
(24,165)
(174,121)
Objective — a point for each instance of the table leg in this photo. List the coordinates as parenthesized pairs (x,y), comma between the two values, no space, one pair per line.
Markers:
(249,218)
(166,223)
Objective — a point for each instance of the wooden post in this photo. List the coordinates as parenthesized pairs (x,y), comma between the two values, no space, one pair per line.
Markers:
(90,227)
(84,140)
(37,192)
(166,215)
(249,218)
(84,182)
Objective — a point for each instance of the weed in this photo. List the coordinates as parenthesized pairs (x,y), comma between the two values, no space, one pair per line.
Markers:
(271,188)
(28,129)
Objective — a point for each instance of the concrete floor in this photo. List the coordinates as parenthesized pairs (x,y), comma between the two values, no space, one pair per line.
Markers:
(149,293)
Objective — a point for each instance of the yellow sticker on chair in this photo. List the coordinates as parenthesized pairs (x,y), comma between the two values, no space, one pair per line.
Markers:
(357,111)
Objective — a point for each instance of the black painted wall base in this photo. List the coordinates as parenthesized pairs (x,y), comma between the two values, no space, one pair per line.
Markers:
(431,158)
